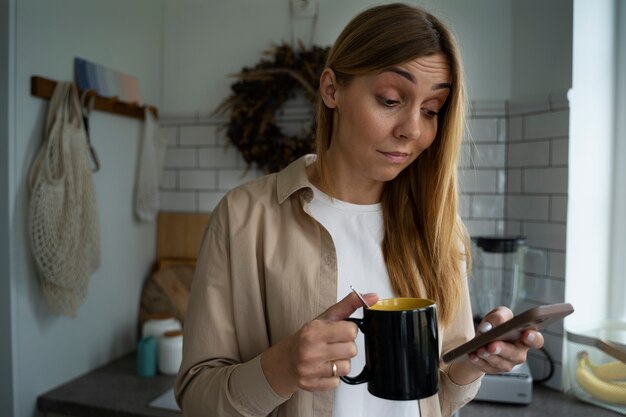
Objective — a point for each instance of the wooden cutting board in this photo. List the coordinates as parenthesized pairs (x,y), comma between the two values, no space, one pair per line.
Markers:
(179,235)
(166,290)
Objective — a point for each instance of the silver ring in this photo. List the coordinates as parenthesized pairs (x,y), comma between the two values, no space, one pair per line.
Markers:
(334,365)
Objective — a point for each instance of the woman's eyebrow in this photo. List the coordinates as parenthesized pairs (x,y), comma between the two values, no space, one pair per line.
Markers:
(402,73)
(411,78)
(441,86)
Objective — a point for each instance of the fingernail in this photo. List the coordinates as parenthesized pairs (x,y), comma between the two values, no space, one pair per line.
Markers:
(498,350)
(485,327)
(531,336)
(485,354)
(474,358)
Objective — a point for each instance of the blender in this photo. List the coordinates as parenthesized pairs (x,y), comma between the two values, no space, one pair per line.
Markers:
(497,279)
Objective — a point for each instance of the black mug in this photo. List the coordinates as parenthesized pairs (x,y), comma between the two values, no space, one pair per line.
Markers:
(401,349)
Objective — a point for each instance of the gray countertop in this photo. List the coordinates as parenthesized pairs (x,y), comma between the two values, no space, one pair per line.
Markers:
(545,402)
(115,390)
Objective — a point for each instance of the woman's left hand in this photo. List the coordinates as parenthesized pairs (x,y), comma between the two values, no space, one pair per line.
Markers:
(499,356)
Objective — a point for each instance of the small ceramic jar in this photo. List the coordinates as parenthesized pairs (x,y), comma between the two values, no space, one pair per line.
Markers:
(170,352)
(157,326)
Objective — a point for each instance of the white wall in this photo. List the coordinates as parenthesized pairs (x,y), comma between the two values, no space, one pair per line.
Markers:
(206,40)
(590,159)
(542,48)
(7,311)
(125,36)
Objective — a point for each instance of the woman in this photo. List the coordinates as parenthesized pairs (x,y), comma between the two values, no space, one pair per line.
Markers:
(265,331)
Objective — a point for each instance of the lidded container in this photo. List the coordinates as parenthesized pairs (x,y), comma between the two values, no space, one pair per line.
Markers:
(158,324)
(596,364)
(497,276)
(170,352)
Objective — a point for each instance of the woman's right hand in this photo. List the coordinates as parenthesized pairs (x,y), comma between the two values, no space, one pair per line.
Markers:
(304,360)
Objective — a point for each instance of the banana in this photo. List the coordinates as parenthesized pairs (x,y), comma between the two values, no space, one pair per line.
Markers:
(611,371)
(602,390)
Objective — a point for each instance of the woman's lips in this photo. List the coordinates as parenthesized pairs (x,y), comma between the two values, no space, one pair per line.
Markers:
(395,157)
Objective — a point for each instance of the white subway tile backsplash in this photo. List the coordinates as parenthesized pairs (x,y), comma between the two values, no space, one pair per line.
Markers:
(221,136)
(502,130)
(513,180)
(558,208)
(545,235)
(478,181)
(556,264)
(546,125)
(556,381)
(515,129)
(536,261)
(197,180)
(197,135)
(464,205)
(230,178)
(540,368)
(527,207)
(488,108)
(171,134)
(178,201)
(465,156)
(501,181)
(544,290)
(180,158)
(490,156)
(480,227)
(169,180)
(208,200)
(538,364)
(528,154)
(545,180)
(528,105)
(559,151)
(512,228)
(487,206)
(483,130)
(553,343)
(532,178)
(219,157)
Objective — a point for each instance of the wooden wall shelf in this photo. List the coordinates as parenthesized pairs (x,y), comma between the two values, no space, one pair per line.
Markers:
(44,87)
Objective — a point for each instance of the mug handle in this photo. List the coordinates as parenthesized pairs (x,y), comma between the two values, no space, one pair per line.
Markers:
(364,375)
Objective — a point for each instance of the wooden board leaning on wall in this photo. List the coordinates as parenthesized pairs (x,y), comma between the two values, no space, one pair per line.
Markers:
(166,290)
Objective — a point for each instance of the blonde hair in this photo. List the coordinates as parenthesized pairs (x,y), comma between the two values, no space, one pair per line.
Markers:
(423,234)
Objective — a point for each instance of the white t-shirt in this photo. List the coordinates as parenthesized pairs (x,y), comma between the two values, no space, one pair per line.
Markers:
(357,232)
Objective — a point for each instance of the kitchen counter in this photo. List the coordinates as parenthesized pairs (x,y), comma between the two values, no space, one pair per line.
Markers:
(115,390)
(545,402)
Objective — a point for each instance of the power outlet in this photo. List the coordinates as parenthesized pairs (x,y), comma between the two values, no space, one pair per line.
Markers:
(303,8)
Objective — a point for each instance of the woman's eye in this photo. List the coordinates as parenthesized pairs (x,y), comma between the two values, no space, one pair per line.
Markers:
(430,114)
(389,102)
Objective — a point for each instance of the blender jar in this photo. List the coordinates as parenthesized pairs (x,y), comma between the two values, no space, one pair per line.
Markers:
(497,272)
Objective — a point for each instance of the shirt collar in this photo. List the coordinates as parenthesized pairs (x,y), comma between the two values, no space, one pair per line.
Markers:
(294,178)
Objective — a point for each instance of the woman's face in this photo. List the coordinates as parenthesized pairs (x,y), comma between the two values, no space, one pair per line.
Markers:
(384,121)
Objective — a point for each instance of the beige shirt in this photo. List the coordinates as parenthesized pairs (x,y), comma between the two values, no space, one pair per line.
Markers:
(265,268)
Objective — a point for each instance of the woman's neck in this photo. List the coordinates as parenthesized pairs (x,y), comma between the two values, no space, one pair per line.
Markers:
(343,187)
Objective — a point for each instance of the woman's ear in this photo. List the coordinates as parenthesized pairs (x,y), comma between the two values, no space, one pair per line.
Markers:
(328,88)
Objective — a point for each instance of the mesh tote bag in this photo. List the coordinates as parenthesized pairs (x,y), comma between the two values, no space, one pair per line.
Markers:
(63,216)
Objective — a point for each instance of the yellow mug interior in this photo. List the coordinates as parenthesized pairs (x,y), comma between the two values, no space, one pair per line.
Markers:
(401,304)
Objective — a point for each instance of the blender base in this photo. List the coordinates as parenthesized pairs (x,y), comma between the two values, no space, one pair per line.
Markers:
(515,387)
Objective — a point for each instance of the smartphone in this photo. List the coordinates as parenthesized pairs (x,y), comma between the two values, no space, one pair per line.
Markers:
(535,318)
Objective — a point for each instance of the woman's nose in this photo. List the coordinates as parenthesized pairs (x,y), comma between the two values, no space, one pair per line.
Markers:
(409,127)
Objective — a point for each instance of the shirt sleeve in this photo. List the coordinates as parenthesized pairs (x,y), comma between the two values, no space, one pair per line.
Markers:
(213,378)
(451,395)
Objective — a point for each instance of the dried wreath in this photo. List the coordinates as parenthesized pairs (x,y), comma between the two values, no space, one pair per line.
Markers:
(260,92)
